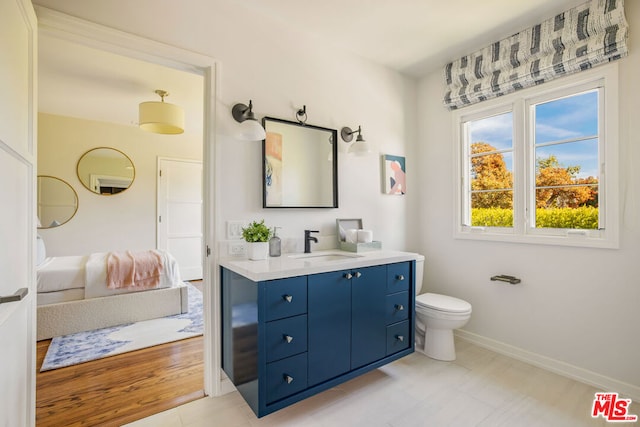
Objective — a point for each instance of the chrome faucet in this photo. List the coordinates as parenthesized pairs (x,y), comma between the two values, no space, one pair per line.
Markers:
(308,238)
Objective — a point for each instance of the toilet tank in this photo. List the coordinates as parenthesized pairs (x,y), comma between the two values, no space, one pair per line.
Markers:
(419,273)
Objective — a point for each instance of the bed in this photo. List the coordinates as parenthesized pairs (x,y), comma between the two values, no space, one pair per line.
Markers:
(73,295)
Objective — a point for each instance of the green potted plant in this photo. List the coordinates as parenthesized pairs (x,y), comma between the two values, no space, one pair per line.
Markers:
(257,235)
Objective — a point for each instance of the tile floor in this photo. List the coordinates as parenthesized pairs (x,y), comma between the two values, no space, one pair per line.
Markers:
(481,388)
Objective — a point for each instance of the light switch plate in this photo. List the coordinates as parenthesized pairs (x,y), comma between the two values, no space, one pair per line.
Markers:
(234,229)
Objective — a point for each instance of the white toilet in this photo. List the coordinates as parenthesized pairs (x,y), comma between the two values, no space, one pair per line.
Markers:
(436,318)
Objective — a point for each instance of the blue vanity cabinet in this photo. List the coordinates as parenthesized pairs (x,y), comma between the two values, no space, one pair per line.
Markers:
(347,327)
(286,339)
(368,321)
(329,326)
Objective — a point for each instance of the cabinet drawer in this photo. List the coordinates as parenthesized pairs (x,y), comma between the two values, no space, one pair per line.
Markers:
(286,297)
(286,377)
(398,276)
(286,337)
(398,337)
(397,307)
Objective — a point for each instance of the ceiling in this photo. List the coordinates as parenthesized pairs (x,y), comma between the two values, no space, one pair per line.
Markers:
(410,36)
(414,37)
(78,81)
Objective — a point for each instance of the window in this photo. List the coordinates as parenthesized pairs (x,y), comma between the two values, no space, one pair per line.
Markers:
(540,165)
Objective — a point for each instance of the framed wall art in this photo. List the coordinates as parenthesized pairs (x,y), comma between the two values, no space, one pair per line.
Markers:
(394,174)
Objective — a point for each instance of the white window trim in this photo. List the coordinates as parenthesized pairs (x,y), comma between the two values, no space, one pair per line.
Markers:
(608,133)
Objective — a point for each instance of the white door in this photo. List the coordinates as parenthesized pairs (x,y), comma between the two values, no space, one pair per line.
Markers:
(17,216)
(180,213)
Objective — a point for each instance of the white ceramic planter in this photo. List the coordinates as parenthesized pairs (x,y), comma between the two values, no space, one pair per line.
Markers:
(257,250)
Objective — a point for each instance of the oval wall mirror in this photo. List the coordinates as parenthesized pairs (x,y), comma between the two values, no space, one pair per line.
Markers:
(57,202)
(105,171)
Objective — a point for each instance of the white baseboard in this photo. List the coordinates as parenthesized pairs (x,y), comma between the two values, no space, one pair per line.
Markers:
(226,386)
(579,374)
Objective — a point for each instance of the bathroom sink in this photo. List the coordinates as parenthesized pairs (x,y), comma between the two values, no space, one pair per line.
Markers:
(324,257)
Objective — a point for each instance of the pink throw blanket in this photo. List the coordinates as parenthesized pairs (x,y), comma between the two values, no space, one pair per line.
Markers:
(140,270)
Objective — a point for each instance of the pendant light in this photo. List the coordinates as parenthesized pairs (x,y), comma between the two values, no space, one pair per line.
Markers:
(161,117)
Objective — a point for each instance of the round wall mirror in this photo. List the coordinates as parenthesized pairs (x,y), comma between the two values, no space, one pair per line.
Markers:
(57,202)
(105,171)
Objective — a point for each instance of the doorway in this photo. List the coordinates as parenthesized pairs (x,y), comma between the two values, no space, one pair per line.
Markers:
(61,27)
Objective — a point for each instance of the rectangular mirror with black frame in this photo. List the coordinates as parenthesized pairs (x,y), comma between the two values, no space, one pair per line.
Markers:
(300,165)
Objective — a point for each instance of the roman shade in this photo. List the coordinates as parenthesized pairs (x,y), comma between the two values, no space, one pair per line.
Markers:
(578,39)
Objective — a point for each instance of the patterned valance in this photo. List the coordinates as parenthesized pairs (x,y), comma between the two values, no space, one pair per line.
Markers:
(578,39)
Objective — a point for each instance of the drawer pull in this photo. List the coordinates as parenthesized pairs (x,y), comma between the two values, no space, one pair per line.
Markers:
(400,338)
(288,378)
(399,307)
(358,274)
(287,298)
(400,277)
(287,338)
(348,276)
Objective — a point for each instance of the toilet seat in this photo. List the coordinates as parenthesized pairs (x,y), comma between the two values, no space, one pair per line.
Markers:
(443,303)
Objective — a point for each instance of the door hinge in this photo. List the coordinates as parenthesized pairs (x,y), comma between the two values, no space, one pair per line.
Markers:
(160,218)
(160,172)
(208,250)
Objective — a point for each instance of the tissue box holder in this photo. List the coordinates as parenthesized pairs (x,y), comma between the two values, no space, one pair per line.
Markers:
(360,247)
(346,224)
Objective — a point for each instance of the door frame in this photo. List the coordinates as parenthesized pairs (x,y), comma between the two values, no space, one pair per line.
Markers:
(59,25)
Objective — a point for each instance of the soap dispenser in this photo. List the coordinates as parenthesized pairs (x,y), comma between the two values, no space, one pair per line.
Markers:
(275,244)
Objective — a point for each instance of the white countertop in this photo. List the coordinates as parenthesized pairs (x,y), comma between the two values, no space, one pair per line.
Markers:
(290,265)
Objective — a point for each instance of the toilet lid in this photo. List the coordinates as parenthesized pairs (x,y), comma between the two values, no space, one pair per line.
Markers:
(443,303)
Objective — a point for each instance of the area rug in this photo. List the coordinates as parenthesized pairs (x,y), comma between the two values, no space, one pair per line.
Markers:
(82,347)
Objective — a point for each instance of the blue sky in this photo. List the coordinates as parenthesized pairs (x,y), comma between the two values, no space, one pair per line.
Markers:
(557,120)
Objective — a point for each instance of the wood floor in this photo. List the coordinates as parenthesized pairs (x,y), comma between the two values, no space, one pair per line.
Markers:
(120,389)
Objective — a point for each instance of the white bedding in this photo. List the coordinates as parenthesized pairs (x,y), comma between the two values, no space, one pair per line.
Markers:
(46,298)
(89,273)
(61,273)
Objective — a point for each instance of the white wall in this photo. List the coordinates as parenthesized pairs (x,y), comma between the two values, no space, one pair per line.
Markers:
(281,70)
(574,305)
(106,223)
(339,90)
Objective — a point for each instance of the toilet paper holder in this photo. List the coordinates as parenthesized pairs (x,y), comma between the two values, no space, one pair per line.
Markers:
(505,278)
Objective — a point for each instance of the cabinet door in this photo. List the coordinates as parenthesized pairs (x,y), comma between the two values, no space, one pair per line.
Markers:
(285,297)
(329,320)
(286,337)
(398,337)
(368,315)
(397,307)
(398,277)
(286,377)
